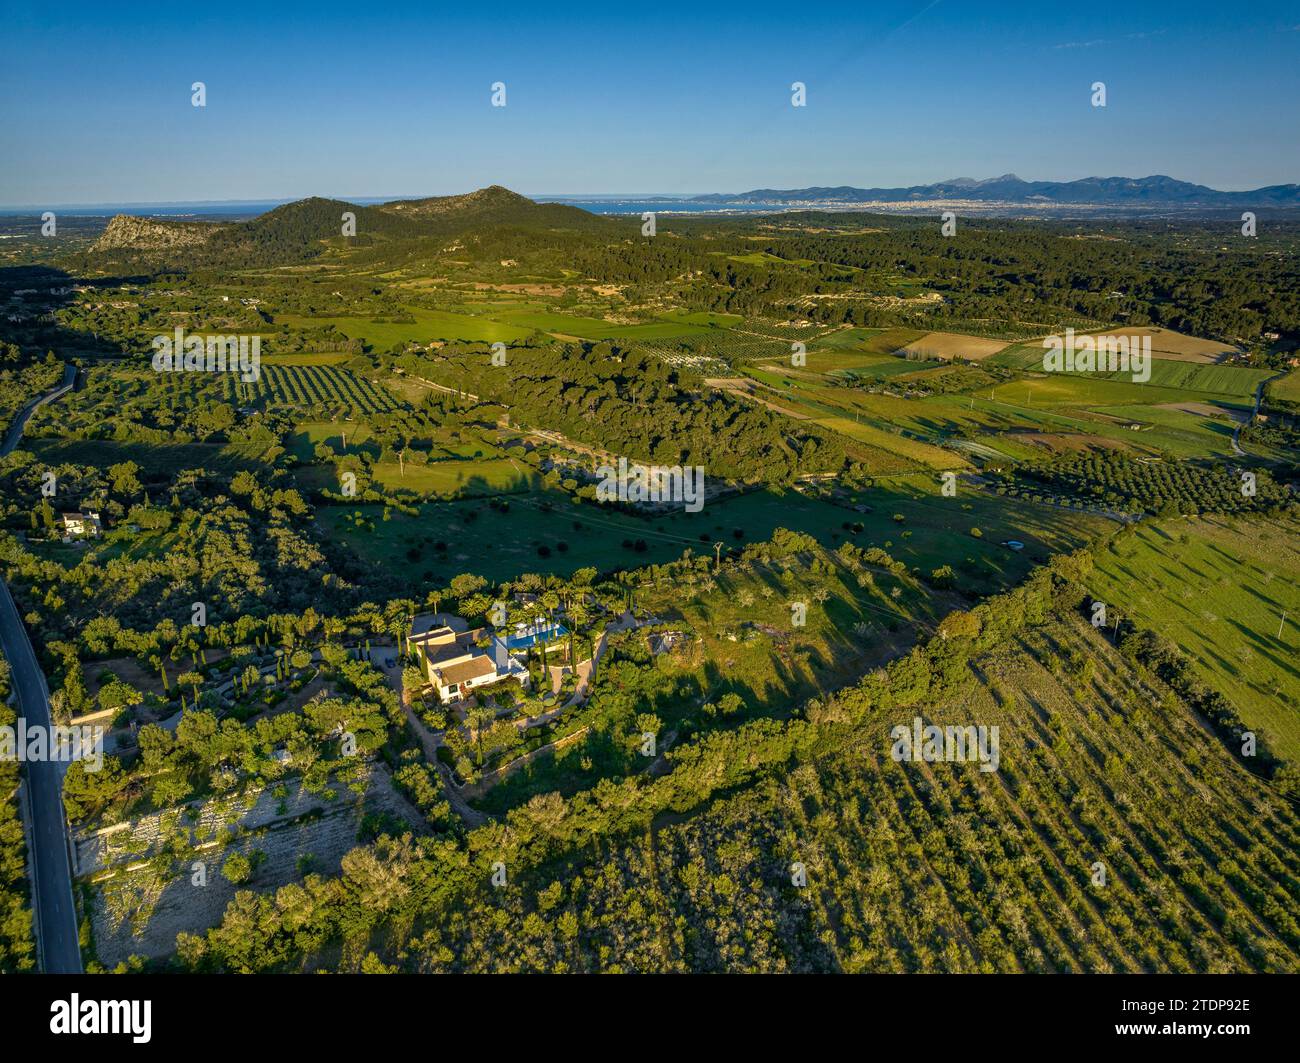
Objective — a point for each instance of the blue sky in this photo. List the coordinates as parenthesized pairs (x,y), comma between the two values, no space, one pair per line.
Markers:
(394,99)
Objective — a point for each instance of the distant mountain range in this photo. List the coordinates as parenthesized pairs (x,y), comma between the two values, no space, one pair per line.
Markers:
(1120,192)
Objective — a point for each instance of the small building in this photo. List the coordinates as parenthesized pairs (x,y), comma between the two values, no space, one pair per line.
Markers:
(81,525)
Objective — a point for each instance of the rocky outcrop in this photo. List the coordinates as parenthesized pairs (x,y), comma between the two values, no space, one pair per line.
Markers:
(151,234)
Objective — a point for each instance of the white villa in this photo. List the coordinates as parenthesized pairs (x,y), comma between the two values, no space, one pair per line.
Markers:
(81,525)
(456,665)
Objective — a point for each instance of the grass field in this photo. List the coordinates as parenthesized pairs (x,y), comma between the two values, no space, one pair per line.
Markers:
(427,325)
(1080,389)
(1206,430)
(868,340)
(451,478)
(1218,588)
(306,358)
(1226,380)
(590,328)
(506,323)
(158,458)
(501,546)
(1287,389)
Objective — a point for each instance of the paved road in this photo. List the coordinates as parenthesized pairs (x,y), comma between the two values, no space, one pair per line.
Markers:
(56,915)
(51,873)
(20,420)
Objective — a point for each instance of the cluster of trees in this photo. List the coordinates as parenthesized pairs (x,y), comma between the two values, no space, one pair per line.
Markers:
(23,379)
(206,755)
(1172,665)
(1164,488)
(239,544)
(1053,272)
(636,405)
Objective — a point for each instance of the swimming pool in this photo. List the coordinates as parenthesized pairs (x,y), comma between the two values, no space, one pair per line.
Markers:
(531,636)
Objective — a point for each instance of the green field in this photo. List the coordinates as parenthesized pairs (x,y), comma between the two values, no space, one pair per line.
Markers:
(1287,389)
(506,323)
(427,325)
(868,340)
(155,458)
(590,328)
(458,478)
(1218,588)
(1235,381)
(1179,430)
(502,546)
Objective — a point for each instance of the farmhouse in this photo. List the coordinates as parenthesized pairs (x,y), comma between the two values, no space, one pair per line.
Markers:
(81,525)
(456,664)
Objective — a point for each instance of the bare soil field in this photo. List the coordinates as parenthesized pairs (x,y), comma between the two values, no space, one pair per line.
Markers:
(1067,443)
(1165,343)
(949,345)
(1202,409)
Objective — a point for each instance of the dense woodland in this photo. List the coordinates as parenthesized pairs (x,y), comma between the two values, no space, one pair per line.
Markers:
(636,405)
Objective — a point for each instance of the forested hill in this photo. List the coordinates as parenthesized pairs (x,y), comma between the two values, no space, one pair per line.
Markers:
(303,229)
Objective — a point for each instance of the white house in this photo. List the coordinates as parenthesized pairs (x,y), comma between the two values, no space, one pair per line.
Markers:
(81,525)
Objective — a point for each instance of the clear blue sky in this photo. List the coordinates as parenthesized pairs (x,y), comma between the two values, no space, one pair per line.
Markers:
(385,99)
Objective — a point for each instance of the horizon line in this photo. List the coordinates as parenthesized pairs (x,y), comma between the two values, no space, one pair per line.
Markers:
(373,199)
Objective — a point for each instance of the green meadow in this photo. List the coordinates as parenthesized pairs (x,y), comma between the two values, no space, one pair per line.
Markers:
(504,323)
(427,325)
(933,531)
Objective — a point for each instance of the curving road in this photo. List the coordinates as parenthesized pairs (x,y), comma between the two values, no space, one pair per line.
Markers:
(51,872)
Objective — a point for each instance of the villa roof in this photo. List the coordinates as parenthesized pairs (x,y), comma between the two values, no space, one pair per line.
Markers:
(477,666)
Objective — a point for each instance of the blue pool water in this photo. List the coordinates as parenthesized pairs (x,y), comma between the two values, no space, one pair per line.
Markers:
(533,636)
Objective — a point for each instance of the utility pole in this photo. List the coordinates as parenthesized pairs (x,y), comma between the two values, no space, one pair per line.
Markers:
(717,563)
(1279,627)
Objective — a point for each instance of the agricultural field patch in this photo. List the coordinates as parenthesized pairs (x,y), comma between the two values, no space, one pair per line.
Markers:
(1175,346)
(1217,586)
(317,387)
(945,346)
